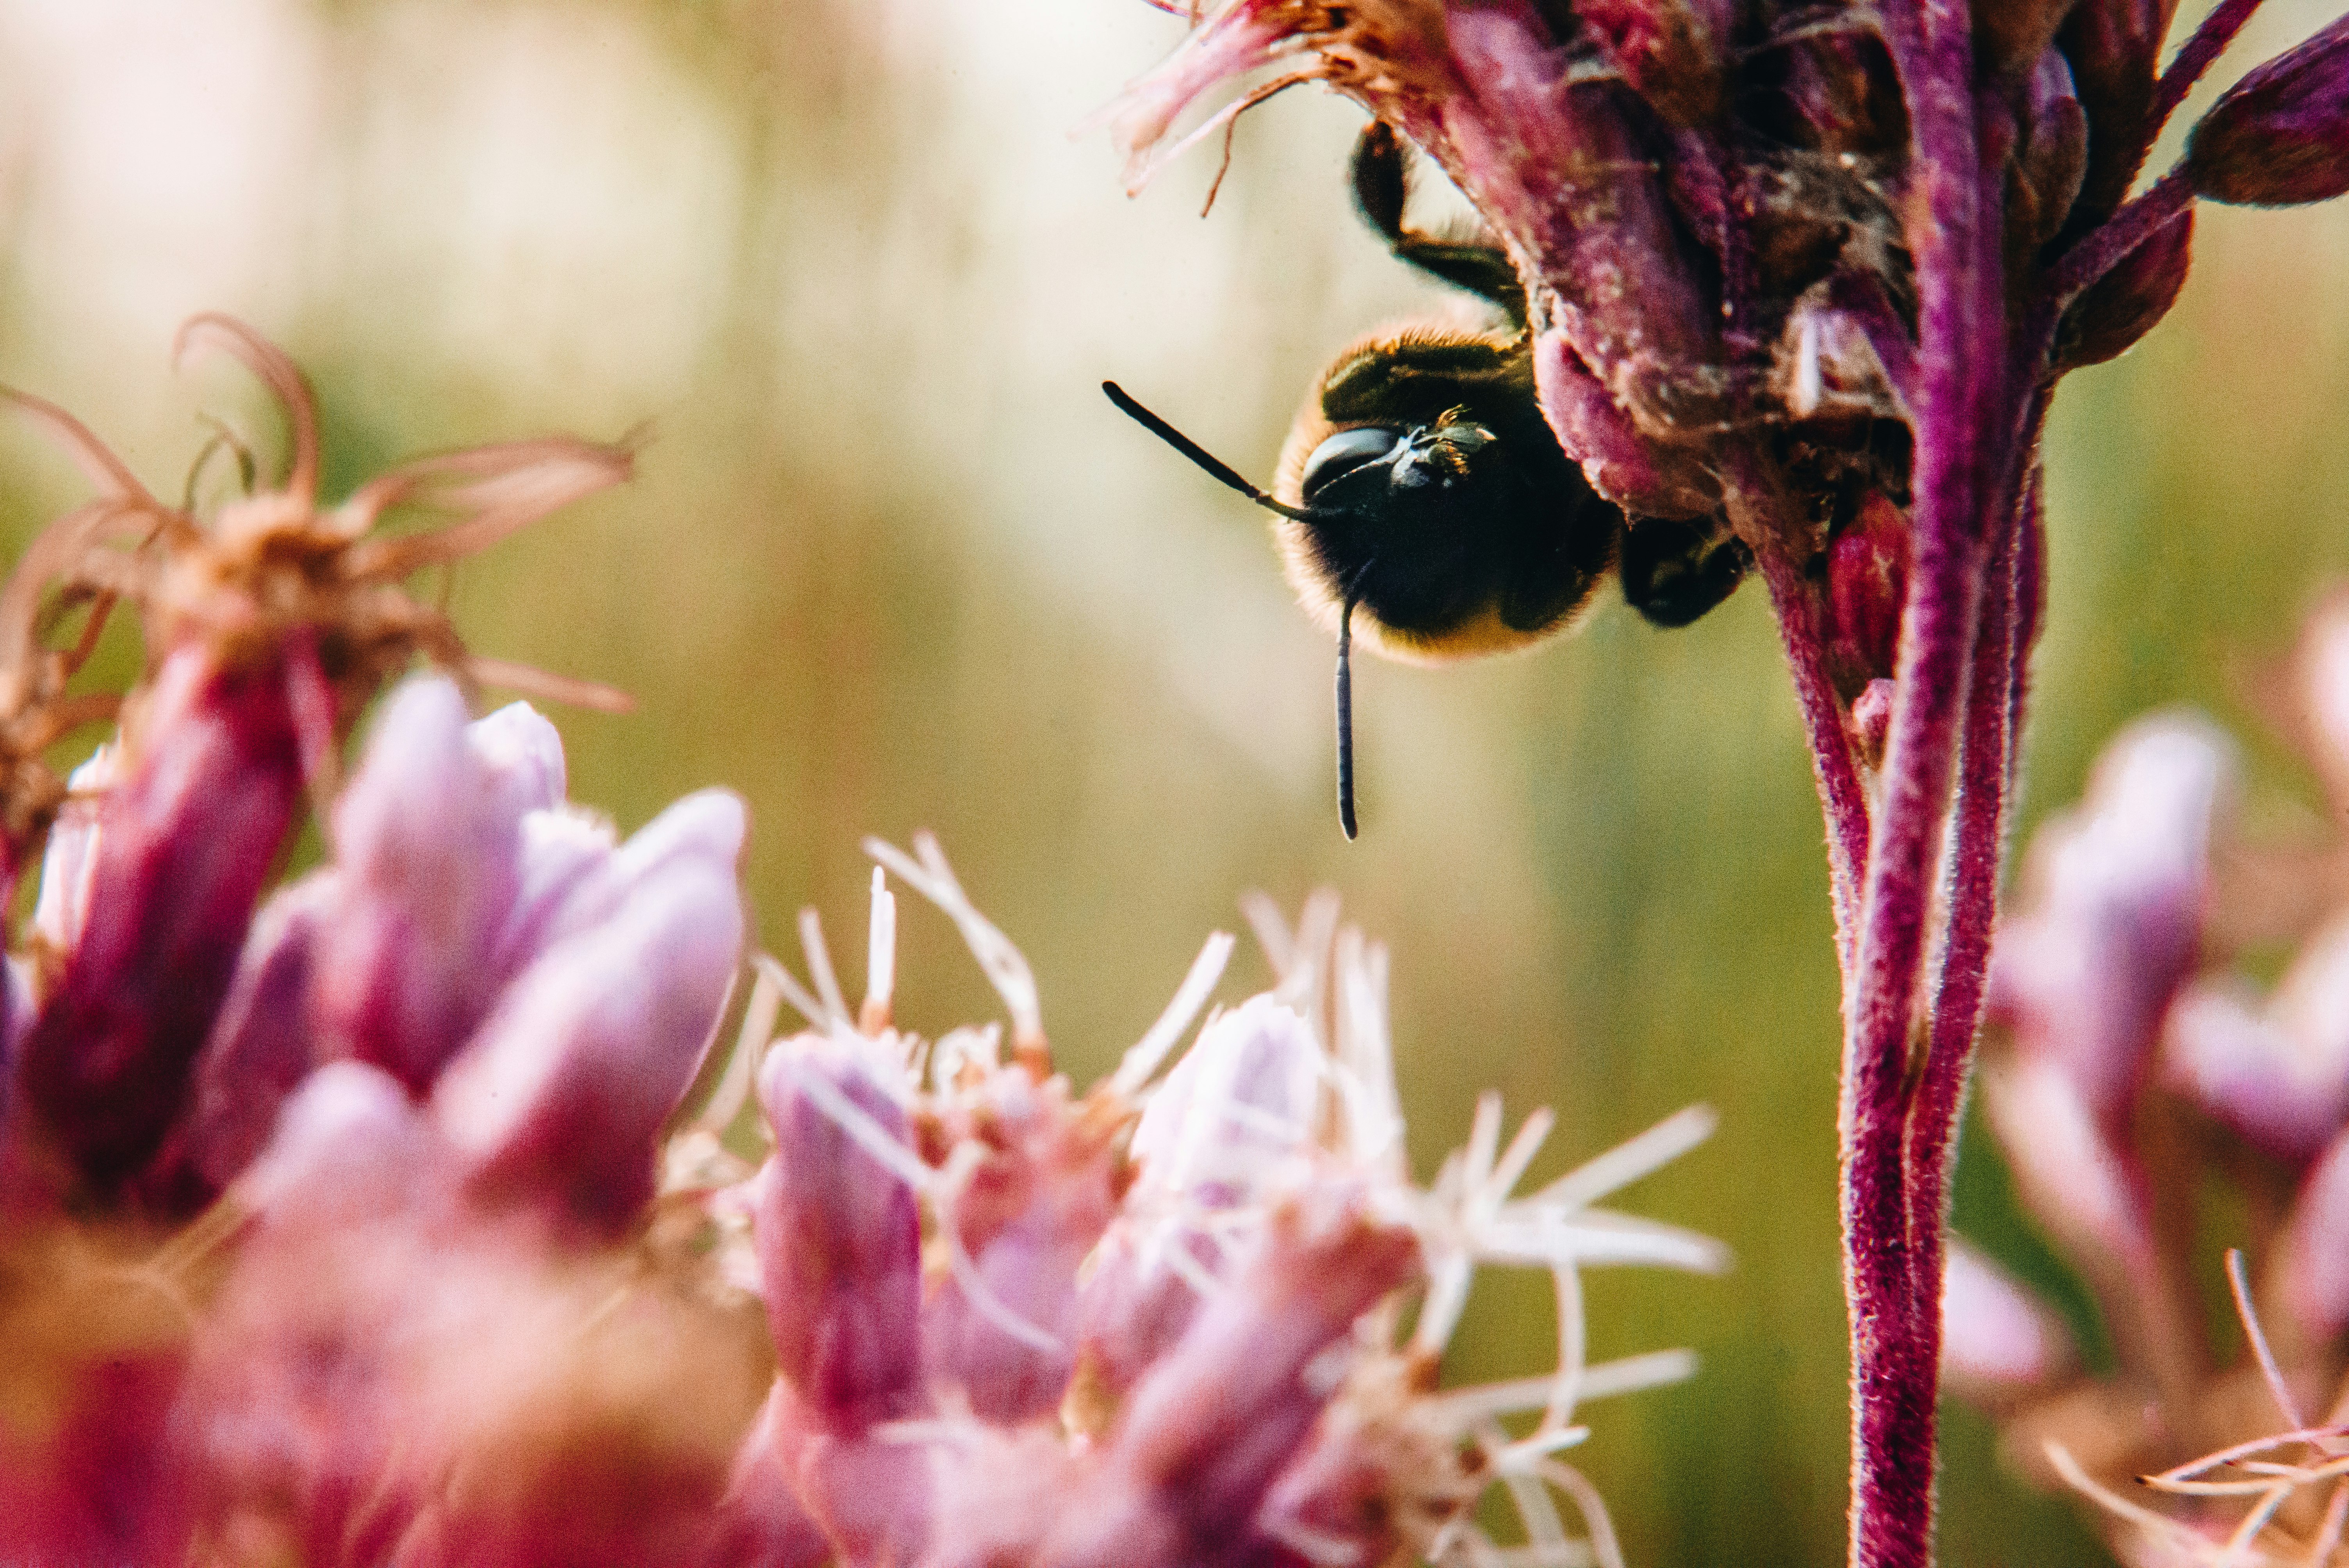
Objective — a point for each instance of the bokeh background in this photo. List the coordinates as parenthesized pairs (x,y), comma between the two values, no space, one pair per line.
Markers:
(891,562)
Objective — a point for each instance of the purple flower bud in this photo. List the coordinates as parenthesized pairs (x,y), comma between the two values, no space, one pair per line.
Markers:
(2113,46)
(563,1094)
(839,1236)
(2111,923)
(2128,302)
(211,778)
(2000,1343)
(1232,1119)
(2051,160)
(1868,586)
(2013,34)
(263,1043)
(2280,136)
(426,840)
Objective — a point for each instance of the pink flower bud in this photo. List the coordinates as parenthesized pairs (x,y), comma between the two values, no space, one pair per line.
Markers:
(263,1043)
(563,1094)
(2280,136)
(210,781)
(2312,1260)
(1867,587)
(1998,1342)
(2111,921)
(426,841)
(1234,1117)
(839,1236)
(2278,1075)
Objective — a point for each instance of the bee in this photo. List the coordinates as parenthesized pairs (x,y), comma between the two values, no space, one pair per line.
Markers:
(1421,492)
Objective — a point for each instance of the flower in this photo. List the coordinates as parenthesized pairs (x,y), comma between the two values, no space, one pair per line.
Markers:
(2138,1065)
(269,624)
(1179,1299)
(354,1220)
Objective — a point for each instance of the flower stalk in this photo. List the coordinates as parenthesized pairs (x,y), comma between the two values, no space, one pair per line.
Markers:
(1815,285)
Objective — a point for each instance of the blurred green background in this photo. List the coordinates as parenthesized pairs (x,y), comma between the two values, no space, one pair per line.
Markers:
(892,563)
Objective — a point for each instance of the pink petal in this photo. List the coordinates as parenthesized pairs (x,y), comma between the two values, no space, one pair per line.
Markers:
(562,1097)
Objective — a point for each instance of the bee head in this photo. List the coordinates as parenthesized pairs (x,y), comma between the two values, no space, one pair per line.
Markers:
(1422,482)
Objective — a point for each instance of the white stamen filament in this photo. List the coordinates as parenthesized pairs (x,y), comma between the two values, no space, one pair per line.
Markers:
(1147,1054)
(880,955)
(819,960)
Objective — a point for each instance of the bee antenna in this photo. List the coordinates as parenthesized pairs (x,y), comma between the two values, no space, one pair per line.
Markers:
(1198,454)
(1346,705)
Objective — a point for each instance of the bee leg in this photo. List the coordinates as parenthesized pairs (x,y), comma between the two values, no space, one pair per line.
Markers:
(1674,572)
(1381,189)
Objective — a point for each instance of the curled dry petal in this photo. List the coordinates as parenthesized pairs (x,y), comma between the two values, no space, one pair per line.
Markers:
(2279,136)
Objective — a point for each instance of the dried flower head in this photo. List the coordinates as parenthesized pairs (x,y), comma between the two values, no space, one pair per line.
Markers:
(269,623)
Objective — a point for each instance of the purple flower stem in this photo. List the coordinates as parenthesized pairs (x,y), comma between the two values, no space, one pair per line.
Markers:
(2196,55)
(2101,250)
(1960,387)
(1985,784)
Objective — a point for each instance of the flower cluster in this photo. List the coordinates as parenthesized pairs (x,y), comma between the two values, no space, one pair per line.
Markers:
(1194,1319)
(2138,1067)
(353,1221)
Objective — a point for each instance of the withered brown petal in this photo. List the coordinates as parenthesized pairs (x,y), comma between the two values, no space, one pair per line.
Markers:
(2280,136)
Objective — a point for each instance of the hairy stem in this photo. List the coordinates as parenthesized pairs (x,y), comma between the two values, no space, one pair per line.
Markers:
(1953,233)
(1986,785)
(2196,54)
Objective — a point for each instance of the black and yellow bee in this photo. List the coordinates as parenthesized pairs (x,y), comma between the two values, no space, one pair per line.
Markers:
(1421,492)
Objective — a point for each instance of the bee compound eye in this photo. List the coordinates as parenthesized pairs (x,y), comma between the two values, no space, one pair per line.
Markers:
(1346,451)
